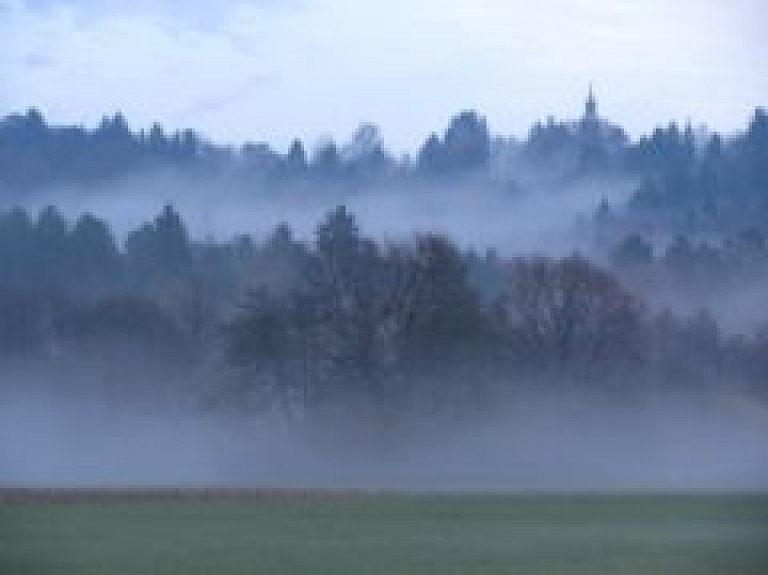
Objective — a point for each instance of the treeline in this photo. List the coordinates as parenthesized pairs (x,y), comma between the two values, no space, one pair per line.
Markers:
(35,154)
(690,182)
(681,166)
(706,263)
(418,324)
(696,185)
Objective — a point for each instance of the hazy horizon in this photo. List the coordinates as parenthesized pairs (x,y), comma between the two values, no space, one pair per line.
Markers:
(272,70)
(388,321)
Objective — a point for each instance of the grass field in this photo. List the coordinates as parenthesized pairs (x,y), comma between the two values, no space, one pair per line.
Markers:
(654,535)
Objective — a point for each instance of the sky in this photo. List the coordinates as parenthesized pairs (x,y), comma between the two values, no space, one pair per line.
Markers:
(271,70)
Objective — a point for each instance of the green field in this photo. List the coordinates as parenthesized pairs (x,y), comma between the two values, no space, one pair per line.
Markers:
(651,535)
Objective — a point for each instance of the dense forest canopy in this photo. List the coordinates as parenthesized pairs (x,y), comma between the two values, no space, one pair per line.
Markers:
(690,180)
(415,321)
(417,324)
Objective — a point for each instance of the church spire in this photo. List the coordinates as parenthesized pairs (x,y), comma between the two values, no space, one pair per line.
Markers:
(590,113)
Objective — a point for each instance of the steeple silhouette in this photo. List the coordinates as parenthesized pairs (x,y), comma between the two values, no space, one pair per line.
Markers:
(590,112)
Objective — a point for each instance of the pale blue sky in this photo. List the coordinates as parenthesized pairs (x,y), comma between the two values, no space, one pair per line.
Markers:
(274,69)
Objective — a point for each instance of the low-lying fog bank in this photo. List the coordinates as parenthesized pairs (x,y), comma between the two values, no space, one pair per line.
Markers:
(656,444)
(539,217)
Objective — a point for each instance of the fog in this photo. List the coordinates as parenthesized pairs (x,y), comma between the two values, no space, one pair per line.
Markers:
(543,216)
(545,444)
(738,309)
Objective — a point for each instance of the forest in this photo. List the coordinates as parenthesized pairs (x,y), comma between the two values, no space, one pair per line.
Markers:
(416,322)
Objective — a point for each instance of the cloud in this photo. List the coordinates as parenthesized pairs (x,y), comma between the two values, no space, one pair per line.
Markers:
(38,61)
(199,13)
(120,5)
(176,6)
(224,99)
